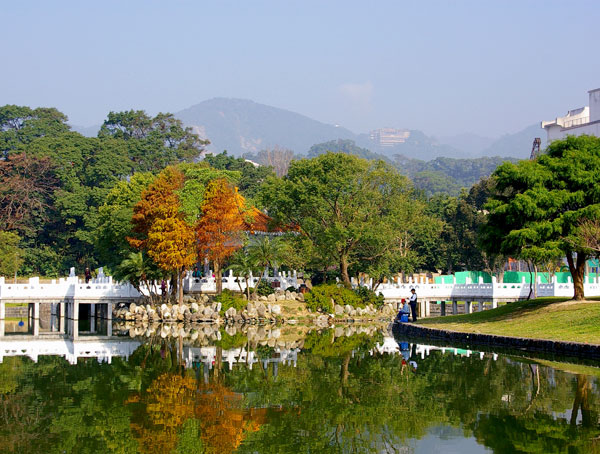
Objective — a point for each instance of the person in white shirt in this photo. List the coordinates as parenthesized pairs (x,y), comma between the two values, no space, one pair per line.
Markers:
(413,304)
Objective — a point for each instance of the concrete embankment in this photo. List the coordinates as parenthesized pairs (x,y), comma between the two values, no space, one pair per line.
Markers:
(576,349)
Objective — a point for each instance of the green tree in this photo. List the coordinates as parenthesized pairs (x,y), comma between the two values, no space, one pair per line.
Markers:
(114,219)
(265,252)
(20,125)
(11,255)
(153,142)
(250,177)
(243,265)
(536,206)
(342,203)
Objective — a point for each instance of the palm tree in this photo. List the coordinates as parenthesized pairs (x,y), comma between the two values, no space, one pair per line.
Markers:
(243,265)
(138,270)
(267,252)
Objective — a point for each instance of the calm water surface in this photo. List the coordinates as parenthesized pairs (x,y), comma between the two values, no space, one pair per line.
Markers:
(332,391)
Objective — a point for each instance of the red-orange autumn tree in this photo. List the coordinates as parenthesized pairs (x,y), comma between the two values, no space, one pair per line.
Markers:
(219,229)
(161,226)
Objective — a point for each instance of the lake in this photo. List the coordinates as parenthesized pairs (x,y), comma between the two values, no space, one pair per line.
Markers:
(288,389)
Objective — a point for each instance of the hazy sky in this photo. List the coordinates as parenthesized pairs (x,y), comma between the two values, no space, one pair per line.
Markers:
(445,67)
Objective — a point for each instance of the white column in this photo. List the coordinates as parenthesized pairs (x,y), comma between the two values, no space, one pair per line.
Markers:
(75,320)
(467,307)
(61,319)
(454,307)
(2,316)
(109,319)
(92,318)
(36,318)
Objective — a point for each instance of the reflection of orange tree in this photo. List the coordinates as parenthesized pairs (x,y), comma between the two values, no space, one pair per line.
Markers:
(171,400)
(164,407)
(224,422)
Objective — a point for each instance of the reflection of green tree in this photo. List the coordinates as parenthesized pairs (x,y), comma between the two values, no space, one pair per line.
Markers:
(342,397)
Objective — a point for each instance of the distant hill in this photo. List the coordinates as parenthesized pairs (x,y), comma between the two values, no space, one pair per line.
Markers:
(441,175)
(471,144)
(241,126)
(516,145)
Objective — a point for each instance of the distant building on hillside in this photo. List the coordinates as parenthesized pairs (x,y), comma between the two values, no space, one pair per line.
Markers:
(585,120)
(388,137)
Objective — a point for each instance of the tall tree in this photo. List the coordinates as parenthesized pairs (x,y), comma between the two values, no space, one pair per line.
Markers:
(536,206)
(153,142)
(28,184)
(219,230)
(160,225)
(341,203)
(20,125)
(11,255)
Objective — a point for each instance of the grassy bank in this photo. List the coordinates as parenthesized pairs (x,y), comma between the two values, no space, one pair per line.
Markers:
(543,318)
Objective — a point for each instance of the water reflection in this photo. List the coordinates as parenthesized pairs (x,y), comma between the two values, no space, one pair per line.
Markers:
(287,389)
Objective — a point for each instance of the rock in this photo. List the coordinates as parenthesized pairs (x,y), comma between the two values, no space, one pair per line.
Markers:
(194,307)
(238,318)
(250,306)
(207,312)
(132,308)
(231,312)
(353,312)
(339,331)
(205,298)
(276,309)
(300,297)
(263,298)
(261,310)
(272,298)
(275,333)
(339,310)
(188,298)
(280,297)
(219,307)
(322,321)
(252,314)
(348,309)
(288,295)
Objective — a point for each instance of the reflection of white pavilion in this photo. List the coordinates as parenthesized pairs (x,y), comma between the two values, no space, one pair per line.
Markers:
(208,356)
(71,350)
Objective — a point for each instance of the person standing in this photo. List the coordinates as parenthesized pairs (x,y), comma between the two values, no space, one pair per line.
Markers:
(413,303)
(88,275)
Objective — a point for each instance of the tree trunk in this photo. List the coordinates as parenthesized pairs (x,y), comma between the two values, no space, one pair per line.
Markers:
(577,270)
(218,277)
(180,287)
(535,279)
(246,278)
(344,271)
(530,279)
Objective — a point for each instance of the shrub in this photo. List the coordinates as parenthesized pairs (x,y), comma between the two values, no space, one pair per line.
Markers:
(368,296)
(321,296)
(229,299)
(264,288)
(291,288)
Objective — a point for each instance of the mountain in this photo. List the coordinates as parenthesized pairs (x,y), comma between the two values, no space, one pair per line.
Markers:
(472,144)
(242,126)
(516,145)
(418,145)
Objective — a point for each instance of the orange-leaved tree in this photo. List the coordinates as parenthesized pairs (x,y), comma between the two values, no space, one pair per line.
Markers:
(219,229)
(160,226)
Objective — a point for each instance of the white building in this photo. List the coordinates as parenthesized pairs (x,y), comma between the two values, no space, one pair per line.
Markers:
(585,120)
(388,137)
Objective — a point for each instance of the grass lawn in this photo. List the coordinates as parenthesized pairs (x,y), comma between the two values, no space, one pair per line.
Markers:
(543,318)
